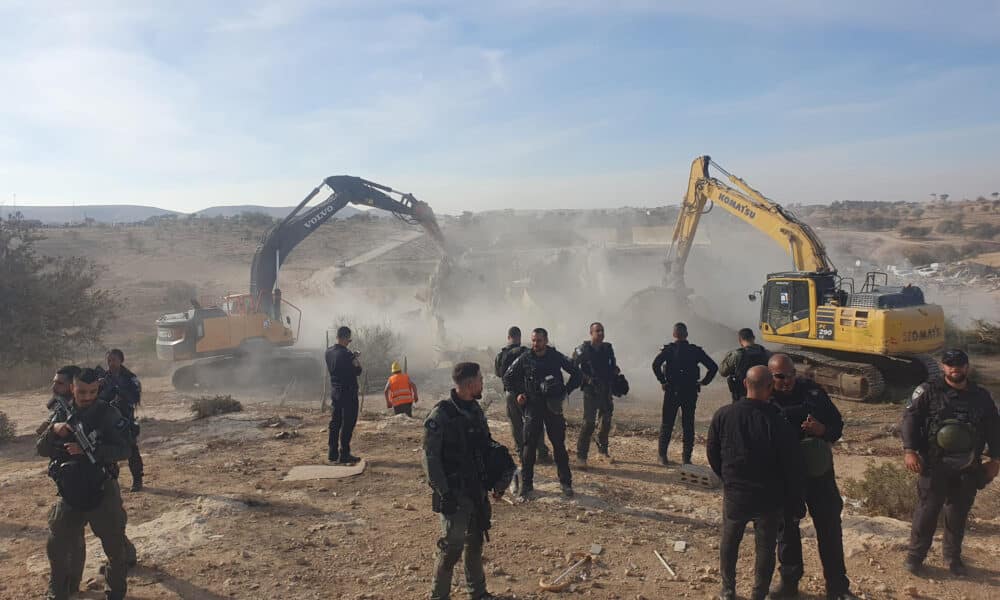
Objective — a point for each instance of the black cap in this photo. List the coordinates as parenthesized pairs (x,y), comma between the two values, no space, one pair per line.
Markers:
(954,357)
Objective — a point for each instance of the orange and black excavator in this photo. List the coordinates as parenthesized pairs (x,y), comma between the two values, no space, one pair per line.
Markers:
(254,324)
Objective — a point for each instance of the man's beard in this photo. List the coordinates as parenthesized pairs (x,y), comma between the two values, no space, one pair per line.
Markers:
(958,378)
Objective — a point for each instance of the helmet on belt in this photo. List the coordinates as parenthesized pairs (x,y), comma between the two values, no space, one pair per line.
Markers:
(955,436)
(396,368)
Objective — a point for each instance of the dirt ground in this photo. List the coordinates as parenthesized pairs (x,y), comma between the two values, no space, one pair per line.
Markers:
(217,521)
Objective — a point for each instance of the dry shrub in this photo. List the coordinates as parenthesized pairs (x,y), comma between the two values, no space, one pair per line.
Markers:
(209,406)
(885,490)
(379,345)
(8,428)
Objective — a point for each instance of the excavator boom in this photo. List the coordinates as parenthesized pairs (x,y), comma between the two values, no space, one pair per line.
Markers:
(747,204)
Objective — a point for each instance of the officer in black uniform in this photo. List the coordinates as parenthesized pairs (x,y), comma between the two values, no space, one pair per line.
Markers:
(676,368)
(754,451)
(596,360)
(457,453)
(88,486)
(515,413)
(818,423)
(537,379)
(122,389)
(344,368)
(947,424)
(735,365)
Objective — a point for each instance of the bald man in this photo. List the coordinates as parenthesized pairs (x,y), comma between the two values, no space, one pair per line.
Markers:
(810,412)
(755,453)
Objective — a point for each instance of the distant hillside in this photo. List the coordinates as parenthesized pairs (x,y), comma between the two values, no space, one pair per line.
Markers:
(128,213)
(118,213)
(278,212)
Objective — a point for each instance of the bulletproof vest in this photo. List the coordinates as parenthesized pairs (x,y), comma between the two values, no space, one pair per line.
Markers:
(750,357)
(544,375)
(80,482)
(464,448)
(594,364)
(505,357)
(954,431)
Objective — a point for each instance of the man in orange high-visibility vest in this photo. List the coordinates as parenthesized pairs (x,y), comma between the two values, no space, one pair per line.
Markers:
(400,393)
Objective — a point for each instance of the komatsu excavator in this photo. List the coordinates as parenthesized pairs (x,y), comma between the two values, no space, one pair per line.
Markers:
(245,329)
(851,342)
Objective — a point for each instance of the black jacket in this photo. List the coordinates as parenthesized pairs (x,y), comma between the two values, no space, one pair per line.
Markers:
(505,357)
(597,363)
(677,365)
(123,391)
(936,400)
(756,453)
(343,373)
(807,398)
(526,374)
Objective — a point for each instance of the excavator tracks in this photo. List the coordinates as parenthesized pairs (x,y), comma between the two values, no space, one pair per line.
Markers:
(858,381)
(842,379)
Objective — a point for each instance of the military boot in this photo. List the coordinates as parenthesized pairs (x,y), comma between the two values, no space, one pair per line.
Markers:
(137,483)
(786,588)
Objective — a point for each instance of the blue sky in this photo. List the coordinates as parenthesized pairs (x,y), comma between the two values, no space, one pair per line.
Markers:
(478,106)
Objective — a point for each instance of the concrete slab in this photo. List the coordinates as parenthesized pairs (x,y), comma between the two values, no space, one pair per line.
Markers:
(309,472)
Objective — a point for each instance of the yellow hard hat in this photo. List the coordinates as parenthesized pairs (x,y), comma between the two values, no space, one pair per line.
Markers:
(396,368)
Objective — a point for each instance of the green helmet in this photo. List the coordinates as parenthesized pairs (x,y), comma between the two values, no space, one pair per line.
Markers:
(955,437)
(817,455)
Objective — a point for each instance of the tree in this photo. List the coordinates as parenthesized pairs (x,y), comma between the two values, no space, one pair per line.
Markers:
(49,306)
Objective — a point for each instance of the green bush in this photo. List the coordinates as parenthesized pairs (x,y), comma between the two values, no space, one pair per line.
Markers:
(885,490)
(983,231)
(8,428)
(949,226)
(912,231)
(209,406)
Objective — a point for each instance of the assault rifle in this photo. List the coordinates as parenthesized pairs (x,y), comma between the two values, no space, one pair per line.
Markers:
(86,444)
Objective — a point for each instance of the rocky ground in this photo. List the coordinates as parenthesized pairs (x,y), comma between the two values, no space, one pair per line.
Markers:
(217,521)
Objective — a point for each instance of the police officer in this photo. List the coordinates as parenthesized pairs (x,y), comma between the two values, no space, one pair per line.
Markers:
(754,451)
(947,424)
(515,414)
(537,379)
(62,388)
(457,444)
(676,368)
(818,424)
(735,365)
(88,486)
(344,368)
(596,360)
(122,389)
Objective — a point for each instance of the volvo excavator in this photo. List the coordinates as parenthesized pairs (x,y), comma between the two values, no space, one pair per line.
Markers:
(237,339)
(854,343)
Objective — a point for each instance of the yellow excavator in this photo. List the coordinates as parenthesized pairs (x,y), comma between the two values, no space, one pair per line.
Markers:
(233,341)
(851,342)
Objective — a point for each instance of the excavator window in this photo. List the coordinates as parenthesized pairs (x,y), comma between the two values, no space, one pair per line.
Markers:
(786,302)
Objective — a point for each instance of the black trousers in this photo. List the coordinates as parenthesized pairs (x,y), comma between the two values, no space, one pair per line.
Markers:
(538,417)
(765,528)
(597,403)
(685,401)
(825,505)
(403,409)
(342,421)
(516,416)
(135,461)
(937,488)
